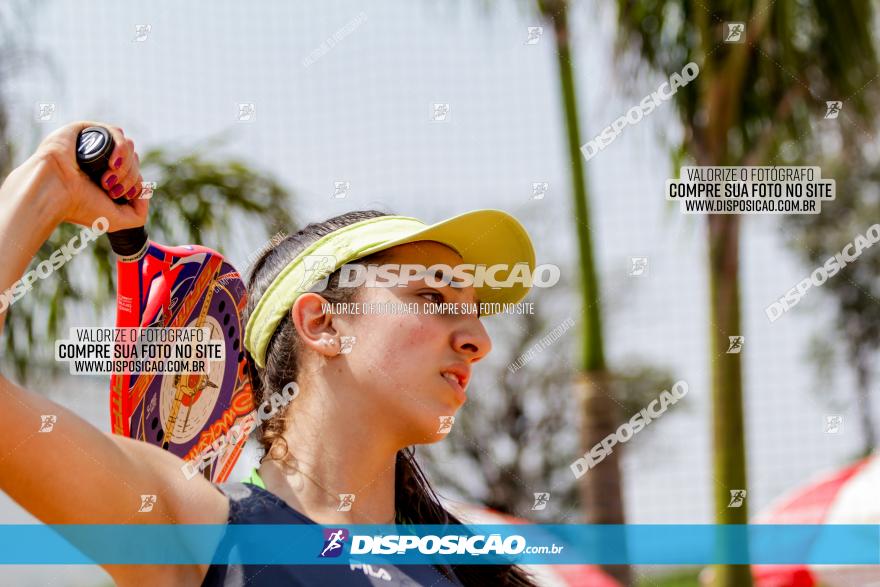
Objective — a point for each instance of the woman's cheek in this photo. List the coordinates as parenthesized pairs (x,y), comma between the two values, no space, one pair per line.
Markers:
(420,332)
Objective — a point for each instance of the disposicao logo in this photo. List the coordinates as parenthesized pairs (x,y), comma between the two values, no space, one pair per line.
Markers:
(334,539)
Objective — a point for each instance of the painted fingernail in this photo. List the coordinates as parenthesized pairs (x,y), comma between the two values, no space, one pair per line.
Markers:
(131,192)
(111,180)
(118,163)
(117,190)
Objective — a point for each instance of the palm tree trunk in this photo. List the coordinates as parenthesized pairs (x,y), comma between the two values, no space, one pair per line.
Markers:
(863,390)
(721,83)
(601,488)
(727,395)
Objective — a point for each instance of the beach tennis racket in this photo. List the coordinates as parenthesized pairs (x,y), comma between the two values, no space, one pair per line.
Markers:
(190,415)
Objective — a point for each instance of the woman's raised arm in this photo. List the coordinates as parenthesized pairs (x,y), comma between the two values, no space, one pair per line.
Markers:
(76,474)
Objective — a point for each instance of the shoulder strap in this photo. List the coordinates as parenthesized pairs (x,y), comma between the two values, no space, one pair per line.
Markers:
(255,479)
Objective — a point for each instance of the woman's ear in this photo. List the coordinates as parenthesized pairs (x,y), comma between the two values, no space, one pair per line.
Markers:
(314,324)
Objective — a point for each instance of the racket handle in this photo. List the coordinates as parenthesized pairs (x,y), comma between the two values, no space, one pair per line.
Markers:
(94,145)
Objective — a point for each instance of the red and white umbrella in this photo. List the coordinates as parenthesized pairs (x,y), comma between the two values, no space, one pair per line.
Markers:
(847,496)
(544,575)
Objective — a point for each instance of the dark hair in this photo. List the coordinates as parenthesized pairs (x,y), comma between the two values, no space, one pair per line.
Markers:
(415,501)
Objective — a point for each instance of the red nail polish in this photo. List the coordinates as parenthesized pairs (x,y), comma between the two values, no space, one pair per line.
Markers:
(111,180)
(118,163)
(117,190)
(131,192)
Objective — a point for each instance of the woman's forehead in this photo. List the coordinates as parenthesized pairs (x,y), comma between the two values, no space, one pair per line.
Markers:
(425,252)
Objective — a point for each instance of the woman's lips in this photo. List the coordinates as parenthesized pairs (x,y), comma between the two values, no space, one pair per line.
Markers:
(453,382)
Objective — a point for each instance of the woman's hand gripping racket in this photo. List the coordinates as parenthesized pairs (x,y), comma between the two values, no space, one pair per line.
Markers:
(191,415)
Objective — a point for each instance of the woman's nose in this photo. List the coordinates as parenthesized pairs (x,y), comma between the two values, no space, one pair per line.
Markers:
(472,340)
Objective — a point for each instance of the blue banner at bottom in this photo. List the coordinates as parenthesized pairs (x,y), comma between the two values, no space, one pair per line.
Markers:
(472,544)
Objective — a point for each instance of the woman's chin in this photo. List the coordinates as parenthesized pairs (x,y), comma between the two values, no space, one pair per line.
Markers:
(435,427)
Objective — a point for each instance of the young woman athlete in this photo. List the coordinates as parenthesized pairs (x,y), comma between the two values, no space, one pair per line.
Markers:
(371,386)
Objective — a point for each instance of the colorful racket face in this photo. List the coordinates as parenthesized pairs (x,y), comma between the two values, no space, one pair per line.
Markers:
(202,418)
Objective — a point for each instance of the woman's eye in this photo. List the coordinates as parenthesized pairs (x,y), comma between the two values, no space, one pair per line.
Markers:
(437,296)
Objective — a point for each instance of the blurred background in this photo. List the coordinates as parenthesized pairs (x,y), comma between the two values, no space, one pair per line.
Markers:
(254,119)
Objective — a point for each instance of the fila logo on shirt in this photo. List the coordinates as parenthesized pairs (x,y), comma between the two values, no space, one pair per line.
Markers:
(371,570)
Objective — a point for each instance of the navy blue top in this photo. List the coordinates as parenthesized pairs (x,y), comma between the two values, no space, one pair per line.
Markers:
(249,504)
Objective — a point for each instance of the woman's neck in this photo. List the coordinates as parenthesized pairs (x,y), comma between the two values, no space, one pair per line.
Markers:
(337,477)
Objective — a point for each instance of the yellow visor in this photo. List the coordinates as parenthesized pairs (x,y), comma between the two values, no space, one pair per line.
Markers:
(481,237)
